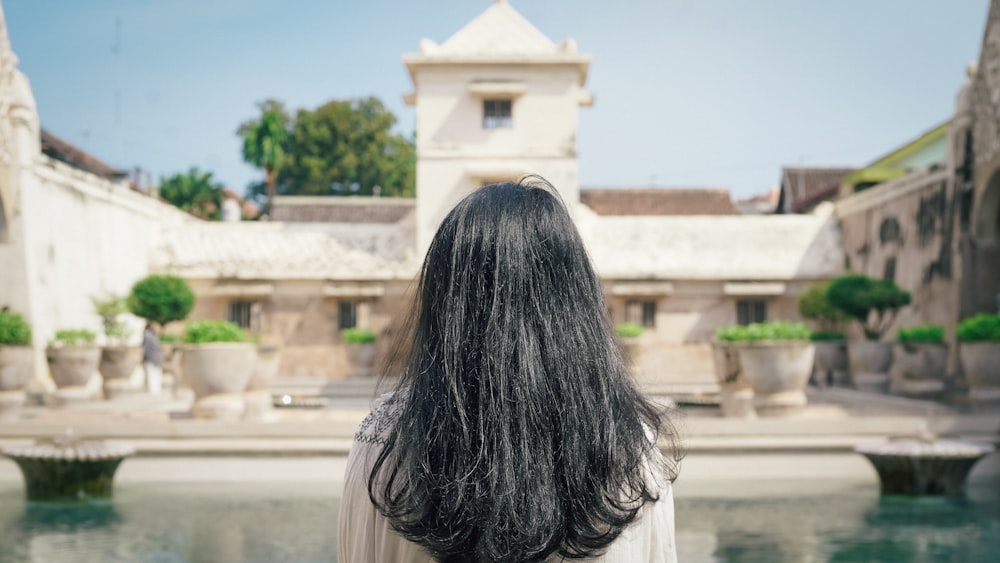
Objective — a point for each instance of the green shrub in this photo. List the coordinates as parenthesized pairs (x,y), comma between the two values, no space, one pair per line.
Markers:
(815,306)
(206,330)
(14,330)
(775,330)
(170,338)
(828,336)
(924,333)
(873,303)
(984,327)
(357,336)
(161,299)
(629,330)
(75,336)
(109,308)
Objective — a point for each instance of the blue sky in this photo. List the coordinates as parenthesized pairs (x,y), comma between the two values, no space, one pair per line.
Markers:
(715,93)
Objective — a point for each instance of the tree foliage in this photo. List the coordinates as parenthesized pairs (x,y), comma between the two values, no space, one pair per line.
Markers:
(814,305)
(264,142)
(343,147)
(872,302)
(110,307)
(161,299)
(193,191)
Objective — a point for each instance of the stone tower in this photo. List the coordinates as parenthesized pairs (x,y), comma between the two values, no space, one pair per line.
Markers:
(496,101)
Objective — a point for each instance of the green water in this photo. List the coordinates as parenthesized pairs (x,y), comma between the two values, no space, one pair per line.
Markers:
(731,522)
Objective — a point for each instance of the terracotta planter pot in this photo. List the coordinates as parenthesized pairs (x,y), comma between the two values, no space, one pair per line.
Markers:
(830,366)
(266,368)
(361,357)
(981,367)
(119,362)
(72,366)
(918,368)
(218,367)
(735,394)
(870,362)
(17,364)
(777,371)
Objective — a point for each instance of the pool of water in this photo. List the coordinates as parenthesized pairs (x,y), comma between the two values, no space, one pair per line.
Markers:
(728,522)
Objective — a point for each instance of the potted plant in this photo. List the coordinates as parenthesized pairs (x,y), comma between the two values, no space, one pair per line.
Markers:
(360,344)
(920,360)
(161,299)
(873,303)
(979,354)
(17,360)
(217,364)
(830,342)
(258,396)
(628,338)
(735,394)
(119,360)
(73,358)
(776,358)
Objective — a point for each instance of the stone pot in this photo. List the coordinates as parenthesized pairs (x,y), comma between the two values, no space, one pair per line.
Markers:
(17,365)
(119,362)
(830,366)
(266,367)
(631,347)
(361,358)
(777,371)
(72,366)
(870,361)
(981,367)
(918,368)
(218,367)
(735,394)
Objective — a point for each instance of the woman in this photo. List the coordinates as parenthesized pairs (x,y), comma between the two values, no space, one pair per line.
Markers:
(516,432)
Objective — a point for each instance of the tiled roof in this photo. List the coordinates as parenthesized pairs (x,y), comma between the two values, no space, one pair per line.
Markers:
(741,247)
(803,188)
(658,201)
(337,209)
(245,250)
(500,30)
(76,157)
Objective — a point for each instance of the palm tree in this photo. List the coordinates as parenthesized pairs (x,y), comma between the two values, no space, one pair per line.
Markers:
(264,143)
(193,191)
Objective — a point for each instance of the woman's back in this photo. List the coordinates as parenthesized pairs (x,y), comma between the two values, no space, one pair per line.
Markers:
(516,432)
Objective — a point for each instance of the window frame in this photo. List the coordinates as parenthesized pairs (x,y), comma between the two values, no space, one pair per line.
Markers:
(753,310)
(494,116)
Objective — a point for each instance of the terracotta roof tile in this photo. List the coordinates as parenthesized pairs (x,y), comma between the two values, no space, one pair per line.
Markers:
(340,209)
(658,201)
(76,157)
(802,188)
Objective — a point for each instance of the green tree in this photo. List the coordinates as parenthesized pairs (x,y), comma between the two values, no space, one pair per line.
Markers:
(344,147)
(161,299)
(193,191)
(264,143)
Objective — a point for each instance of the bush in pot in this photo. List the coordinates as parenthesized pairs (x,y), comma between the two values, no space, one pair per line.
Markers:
(17,359)
(979,354)
(118,359)
(73,357)
(360,344)
(920,360)
(830,342)
(161,299)
(873,304)
(217,363)
(628,337)
(776,358)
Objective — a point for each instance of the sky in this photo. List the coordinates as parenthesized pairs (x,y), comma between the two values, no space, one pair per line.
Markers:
(706,93)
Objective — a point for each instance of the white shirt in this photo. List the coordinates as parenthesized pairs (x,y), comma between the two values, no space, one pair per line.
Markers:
(365,536)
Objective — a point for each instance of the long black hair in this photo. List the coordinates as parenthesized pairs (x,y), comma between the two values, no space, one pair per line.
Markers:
(520,432)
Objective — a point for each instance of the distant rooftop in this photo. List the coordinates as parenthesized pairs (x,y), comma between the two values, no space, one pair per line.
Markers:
(658,201)
(803,188)
(76,157)
(341,209)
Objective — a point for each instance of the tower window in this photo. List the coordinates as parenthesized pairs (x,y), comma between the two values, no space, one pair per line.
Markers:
(497,114)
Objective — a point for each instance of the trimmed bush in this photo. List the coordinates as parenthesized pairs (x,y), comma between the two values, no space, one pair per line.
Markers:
(984,327)
(629,330)
(75,336)
(923,333)
(815,306)
(161,299)
(873,303)
(109,309)
(755,332)
(206,330)
(170,338)
(828,336)
(357,336)
(14,330)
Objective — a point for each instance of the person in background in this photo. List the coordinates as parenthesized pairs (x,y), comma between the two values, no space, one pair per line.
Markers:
(152,360)
(516,432)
